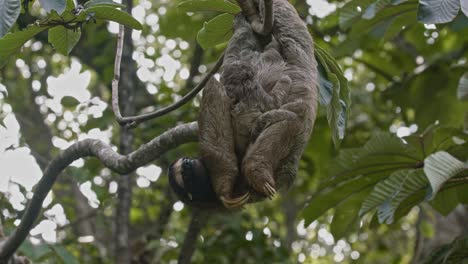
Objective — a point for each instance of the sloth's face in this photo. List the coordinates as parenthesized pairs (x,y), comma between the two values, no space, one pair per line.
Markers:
(189,179)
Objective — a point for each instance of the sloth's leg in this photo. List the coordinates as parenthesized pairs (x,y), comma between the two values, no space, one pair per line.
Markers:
(217,143)
(275,144)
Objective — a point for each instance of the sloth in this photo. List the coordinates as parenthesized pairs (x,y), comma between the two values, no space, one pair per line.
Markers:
(255,123)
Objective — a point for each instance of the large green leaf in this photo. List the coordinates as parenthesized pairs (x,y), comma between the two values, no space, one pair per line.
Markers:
(438,11)
(9,12)
(334,93)
(374,8)
(440,167)
(112,14)
(346,217)
(216,31)
(383,153)
(209,5)
(352,11)
(64,255)
(389,193)
(11,42)
(331,197)
(462,91)
(63,39)
(102,3)
(383,21)
(57,5)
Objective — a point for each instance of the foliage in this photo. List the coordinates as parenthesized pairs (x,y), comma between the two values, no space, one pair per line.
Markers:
(403,75)
(64,21)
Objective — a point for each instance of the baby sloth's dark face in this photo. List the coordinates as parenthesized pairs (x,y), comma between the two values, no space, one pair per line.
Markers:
(190,181)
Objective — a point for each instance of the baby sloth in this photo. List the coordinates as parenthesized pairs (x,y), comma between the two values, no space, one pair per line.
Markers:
(255,123)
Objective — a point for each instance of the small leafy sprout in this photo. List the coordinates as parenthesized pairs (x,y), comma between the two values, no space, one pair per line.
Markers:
(76,11)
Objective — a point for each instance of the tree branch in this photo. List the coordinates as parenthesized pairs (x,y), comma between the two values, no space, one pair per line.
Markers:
(92,147)
(132,121)
(198,220)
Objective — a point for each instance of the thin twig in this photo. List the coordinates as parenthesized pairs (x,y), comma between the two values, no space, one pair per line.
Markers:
(122,164)
(132,121)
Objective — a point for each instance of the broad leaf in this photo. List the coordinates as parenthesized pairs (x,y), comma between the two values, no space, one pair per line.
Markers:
(9,12)
(383,153)
(389,193)
(441,166)
(112,14)
(64,255)
(374,8)
(462,91)
(216,31)
(346,217)
(11,42)
(329,198)
(57,5)
(102,3)
(334,93)
(352,12)
(63,39)
(438,11)
(209,5)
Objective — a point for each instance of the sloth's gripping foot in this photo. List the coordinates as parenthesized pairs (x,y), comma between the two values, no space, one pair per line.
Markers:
(235,202)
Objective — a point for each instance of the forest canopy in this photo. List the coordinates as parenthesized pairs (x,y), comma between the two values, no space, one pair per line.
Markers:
(383,179)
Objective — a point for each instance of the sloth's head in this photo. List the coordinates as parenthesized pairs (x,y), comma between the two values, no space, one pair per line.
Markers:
(189,179)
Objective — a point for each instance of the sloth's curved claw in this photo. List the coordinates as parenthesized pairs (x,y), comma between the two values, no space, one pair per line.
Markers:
(235,202)
(269,190)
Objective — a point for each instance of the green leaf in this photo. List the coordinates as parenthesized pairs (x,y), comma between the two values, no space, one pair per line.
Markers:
(334,93)
(445,202)
(102,3)
(63,39)
(112,14)
(462,92)
(331,197)
(216,31)
(209,5)
(374,8)
(464,7)
(383,153)
(352,11)
(440,167)
(438,11)
(57,5)
(11,42)
(383,21)
(9,12)
(346,217)
(389,193)
(64,255)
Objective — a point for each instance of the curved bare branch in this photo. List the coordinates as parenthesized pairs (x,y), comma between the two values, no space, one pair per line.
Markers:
(132,121)
(92,147)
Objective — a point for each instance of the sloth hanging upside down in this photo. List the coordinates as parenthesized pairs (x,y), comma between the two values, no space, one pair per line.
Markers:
(255,123)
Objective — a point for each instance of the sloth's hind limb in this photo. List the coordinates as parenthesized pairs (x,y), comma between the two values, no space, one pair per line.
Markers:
(276,147)
(217,143)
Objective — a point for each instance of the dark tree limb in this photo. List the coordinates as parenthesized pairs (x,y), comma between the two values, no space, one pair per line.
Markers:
(197,222)
(122,164)
(125,182)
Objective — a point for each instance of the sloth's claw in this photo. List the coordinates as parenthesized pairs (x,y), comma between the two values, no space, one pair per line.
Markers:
(269,190)
(235,202)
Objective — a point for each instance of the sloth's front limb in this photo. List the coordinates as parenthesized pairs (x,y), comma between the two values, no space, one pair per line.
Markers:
(274,145)
(217,143)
